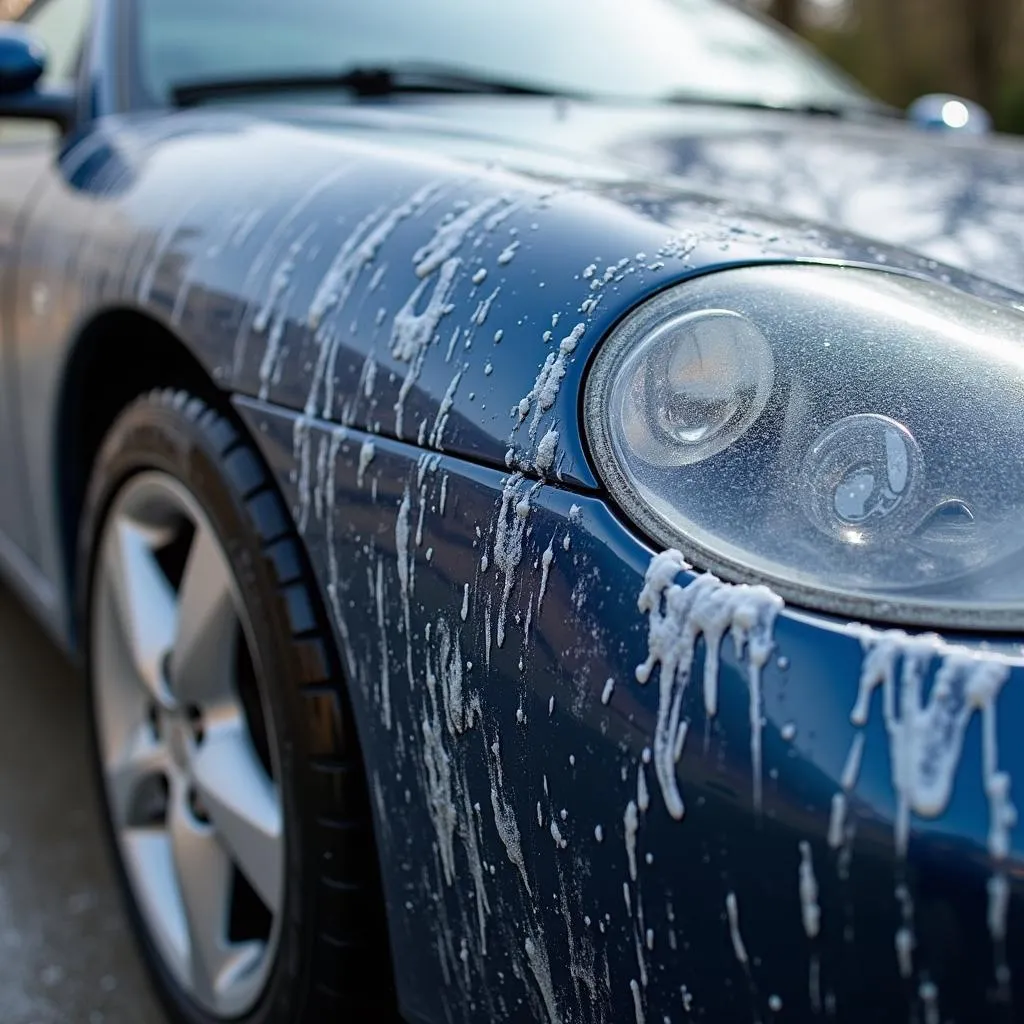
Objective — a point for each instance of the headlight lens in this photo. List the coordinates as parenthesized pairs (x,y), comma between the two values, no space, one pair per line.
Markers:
(852,437)
(697,385)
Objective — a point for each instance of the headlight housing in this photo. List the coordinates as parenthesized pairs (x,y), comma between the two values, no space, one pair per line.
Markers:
(851,437)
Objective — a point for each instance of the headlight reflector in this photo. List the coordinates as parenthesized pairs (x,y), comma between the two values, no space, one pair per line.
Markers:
(852,437)
(860,478)
(697,385)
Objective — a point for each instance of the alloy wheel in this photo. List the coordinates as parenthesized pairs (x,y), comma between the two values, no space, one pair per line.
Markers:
(187,748)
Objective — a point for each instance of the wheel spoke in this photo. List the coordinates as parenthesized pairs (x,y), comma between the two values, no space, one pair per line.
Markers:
(243,805)
(150,861)
(133,780)
(204,879)
(204,650)
(145,604)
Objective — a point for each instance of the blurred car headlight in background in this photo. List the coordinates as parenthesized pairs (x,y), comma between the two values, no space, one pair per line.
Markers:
(853,438)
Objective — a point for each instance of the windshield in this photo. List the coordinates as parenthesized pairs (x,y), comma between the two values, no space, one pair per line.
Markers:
(630,49)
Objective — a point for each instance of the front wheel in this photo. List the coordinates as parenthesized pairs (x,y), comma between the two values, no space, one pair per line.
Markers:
(230,777)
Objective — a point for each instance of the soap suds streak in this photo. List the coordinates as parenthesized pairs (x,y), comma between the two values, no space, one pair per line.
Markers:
(450,672)
(546,559)
(411,377)
(403,558)
(366,454)
(810,911)
(545,457)
(537,958)
(333,292)
(271,248)
(926,733)
(444,410)
(851,771)
(270,364)
(413,331)
(643,798)
(677,617)
(549,380)
(484,308)
(358,251)
(732,911)
(338,435)
(630,824)
(504,817)
(440,804)
(449,237)
(421,514)
(905,941)
(508,253)
(483,906)
(606,693)
(382,626)
(279,282)
(926,727)
(508,542)
(580,949)
(638,1006)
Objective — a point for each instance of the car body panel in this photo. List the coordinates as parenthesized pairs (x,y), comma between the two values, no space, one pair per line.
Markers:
(493,759)
(24,163)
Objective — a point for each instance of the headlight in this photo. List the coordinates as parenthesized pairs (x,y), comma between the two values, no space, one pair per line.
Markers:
(851,437)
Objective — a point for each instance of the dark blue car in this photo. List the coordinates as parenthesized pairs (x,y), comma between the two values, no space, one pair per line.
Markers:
(537,491)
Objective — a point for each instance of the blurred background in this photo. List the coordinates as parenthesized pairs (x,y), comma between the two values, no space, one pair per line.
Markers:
(902,49)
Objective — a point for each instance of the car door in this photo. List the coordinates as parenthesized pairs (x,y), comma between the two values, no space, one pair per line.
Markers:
(27,150)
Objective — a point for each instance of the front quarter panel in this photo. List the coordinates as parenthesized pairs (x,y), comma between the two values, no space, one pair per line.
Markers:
(533,871)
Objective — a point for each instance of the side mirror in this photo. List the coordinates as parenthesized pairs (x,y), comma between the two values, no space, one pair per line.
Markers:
(22,60)
(22,64)
(946,113)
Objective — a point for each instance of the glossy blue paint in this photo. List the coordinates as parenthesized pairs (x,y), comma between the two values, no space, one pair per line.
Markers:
(22,59)
(222,225)
(583,756)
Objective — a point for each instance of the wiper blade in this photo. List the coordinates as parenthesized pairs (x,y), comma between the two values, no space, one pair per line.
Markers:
(368,81)
(839,111)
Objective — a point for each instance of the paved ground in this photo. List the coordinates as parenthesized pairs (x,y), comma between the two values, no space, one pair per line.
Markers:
(65,953)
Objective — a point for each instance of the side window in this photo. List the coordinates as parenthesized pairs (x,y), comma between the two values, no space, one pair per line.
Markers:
(62,26)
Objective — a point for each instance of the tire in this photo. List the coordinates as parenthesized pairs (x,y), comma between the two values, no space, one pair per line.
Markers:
(325,952)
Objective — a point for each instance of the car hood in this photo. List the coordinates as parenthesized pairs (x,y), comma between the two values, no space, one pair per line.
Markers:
(351,268)
(957,200)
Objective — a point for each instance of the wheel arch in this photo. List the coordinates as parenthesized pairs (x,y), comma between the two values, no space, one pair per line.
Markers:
(115,356)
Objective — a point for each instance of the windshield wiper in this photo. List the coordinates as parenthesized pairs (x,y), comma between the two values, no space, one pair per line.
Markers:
(839,111)
(368,81)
